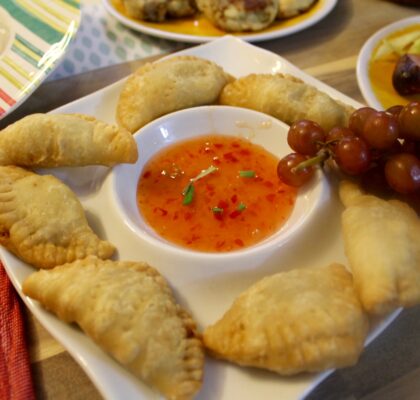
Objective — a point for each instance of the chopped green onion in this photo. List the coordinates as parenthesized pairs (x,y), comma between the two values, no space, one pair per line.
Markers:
(188,194)
(241,207)
(217,210)
(188,191)
(247,174)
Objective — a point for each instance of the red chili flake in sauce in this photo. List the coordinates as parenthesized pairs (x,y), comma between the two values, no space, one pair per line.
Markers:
(235,214)
(171,200)
(223,204)
(270,197)
(230,157)
(161,211)
(196,226)
(188,216)
(218,215)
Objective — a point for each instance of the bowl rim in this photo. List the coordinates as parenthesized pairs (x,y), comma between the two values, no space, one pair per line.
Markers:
(318,186)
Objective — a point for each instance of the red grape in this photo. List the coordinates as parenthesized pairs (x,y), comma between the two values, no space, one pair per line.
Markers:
(358,118)
(402,172)
(409,121)
(337,133)
(374,181)
(381,146)
(304,137)
(352,155)
(289,174)
(409,146)
(380,130)
(394,110)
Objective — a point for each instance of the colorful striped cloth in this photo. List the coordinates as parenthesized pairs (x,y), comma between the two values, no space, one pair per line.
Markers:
(15,374)
(49,38)
(36,34)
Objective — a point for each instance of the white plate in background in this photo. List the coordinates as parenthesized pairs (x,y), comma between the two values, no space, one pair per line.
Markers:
(178,29)
(206,289)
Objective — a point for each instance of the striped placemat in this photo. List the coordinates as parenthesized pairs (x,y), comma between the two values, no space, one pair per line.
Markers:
(34,36)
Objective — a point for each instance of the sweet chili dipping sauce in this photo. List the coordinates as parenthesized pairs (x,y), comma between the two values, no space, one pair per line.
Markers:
(235,202)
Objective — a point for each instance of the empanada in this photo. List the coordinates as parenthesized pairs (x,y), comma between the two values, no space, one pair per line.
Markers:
(290,8)
(239,15)
(43,222)
(290,322)
(159,88)
(52,140)
(287,98)
(159,10)
(382,243)
(129,310)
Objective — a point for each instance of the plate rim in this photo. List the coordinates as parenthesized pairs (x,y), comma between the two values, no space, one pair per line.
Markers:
(363,58)
(188,38)
(55,326)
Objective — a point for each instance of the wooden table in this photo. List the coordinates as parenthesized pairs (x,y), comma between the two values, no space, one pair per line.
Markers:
(390,367)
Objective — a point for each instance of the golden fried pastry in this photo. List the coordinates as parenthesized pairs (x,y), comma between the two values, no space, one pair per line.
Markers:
(159,10)
(286,98)
(52,140)
(239,15)
(128,309)
(382,243)
(43,222)
(290,8)
(301,320)
(162,87)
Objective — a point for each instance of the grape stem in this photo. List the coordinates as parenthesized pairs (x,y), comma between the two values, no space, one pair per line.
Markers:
(311,162)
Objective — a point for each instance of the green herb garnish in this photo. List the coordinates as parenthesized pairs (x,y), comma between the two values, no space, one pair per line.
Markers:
(241,207)
(188,191)
(247,174)
(188,194)
(217,210)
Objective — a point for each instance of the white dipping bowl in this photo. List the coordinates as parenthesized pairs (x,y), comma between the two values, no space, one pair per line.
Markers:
(257,127)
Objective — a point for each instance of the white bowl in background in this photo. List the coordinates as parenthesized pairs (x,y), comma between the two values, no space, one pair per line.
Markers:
(365,54)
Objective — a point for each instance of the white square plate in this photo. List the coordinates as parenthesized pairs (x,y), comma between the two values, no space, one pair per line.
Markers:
(206,290)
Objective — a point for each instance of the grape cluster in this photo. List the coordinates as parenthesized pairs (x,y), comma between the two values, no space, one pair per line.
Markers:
(375,143)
